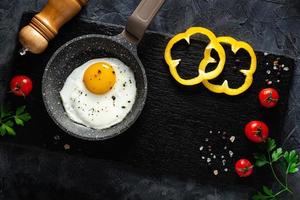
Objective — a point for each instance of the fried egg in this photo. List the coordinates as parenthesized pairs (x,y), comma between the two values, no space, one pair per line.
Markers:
(100,93)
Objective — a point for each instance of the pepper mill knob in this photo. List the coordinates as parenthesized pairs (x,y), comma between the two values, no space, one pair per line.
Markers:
(44,26)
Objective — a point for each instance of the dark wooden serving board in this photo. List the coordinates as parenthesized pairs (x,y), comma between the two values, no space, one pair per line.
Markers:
(176,120)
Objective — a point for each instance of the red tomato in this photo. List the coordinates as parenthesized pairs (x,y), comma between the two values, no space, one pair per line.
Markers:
(243,167)
(257,131)
(21,85)
(268,97)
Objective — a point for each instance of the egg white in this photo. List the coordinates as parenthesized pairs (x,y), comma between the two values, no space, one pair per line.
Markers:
(99,111)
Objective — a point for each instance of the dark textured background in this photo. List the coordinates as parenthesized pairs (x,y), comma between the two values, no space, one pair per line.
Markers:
(269,25)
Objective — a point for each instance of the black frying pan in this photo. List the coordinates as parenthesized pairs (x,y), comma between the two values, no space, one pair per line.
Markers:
(84,48)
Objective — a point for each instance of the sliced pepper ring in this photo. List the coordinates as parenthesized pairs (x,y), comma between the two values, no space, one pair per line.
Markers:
(224,88)
(202,75)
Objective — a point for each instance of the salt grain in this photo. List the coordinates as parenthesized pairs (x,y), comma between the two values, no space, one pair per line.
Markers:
(232,138)
(224,162)
(67,147)
(56,137)
(230,153)
(201,148)
(208,160)
(216,172)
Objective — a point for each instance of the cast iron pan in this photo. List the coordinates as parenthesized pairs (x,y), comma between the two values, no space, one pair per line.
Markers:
(84,48)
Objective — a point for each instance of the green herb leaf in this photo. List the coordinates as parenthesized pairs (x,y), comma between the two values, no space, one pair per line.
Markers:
(25,117)
(261,160)
(10,130)
(267,190)
(20,110)
(9,123)
(277,154)
(4,111)
(271,145)
(8,127)
(293,168)
(8,119)
(260,196)
(293,157)
(2,130)
(19,122)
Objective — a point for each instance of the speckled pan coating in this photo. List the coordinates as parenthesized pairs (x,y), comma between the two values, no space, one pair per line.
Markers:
(73,54)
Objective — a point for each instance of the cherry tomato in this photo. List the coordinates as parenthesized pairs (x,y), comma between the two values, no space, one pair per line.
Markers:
(268,97)
(243,167)
(21,85)
(257,131)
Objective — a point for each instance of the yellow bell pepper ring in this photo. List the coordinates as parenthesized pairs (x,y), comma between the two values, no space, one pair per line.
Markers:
(224,88)
(202,75)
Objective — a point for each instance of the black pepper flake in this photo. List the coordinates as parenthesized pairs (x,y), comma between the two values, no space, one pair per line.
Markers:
(85,95)
(123,107)
(99,71)
(129,101)
(113,72)
(124,84)
(117,115)
(130,81)
(113,98)
(110,88)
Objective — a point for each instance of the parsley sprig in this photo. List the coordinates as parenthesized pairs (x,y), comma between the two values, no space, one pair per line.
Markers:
(290,163)
(8,119)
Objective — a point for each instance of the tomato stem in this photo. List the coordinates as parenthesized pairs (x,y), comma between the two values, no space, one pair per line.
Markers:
(270,99)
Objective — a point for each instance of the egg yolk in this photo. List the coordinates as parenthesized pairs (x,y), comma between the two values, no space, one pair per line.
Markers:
(99,78)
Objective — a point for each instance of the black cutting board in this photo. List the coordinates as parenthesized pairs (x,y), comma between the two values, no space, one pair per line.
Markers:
(176,121)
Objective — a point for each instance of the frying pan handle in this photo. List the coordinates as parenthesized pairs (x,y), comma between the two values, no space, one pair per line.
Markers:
(140,19)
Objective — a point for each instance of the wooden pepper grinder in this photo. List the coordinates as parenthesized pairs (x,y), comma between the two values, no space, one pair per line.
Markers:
(45,25)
